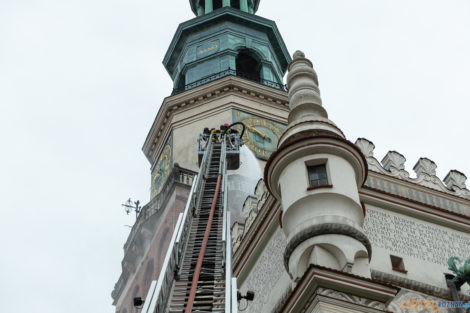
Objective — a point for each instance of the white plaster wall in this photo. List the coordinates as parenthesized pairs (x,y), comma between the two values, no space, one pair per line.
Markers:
(189,123)
(300,205)
(424,246)
(268,277)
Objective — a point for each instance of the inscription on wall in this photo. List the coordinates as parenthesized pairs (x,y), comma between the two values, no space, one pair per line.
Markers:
(208,48)
(406,236)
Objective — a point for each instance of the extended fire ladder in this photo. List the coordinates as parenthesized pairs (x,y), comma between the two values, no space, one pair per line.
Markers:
(197,272)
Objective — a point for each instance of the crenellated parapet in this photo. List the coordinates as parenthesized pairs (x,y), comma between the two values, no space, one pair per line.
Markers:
(393,164)
(251,209)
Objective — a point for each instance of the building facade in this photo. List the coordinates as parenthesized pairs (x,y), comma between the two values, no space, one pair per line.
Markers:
(327,227)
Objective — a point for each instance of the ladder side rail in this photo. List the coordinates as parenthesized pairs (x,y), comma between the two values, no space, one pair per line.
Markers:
(224,188)
(159,293)
(234,296)
(165,280)
(150,296)
(228,268)
(197,270)
(183,235)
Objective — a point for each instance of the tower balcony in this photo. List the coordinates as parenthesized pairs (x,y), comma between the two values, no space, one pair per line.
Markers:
(230,72)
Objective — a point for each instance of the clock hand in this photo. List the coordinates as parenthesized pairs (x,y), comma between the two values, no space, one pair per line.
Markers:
(256,131)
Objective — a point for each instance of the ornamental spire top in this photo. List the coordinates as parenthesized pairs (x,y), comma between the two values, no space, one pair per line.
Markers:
(307,115)
(201,7)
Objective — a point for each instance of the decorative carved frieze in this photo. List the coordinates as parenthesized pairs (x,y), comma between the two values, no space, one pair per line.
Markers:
(342,296)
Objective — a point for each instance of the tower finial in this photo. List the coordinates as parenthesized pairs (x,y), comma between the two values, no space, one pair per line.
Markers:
(307,114)
(299,54)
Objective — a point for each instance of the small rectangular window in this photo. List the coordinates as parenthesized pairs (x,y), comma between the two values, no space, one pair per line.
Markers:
(317,175)
(397,264)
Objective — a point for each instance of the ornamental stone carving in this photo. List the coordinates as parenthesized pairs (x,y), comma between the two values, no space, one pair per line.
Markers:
(250,219)
(425,170)
(237,235)
(425,167)
(394,162)
(367,147)
(455,181)
(250,205)
(350,298)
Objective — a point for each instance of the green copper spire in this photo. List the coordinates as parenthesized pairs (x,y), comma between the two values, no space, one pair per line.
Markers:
(201,7)
(226,38)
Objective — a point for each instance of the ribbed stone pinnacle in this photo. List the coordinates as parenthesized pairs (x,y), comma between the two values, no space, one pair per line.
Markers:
(304,94)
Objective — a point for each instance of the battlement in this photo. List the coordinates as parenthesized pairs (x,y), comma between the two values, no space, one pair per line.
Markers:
(393,164)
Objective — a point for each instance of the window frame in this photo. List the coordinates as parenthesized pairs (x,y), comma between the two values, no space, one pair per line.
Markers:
(317,163)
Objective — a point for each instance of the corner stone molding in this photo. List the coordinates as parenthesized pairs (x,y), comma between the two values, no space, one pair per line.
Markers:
(393,164)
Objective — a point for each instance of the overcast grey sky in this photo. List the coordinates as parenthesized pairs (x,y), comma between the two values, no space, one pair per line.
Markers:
(81,82)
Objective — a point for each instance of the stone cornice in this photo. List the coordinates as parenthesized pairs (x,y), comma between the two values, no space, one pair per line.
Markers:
(416,285)
(320,277)
(229,85)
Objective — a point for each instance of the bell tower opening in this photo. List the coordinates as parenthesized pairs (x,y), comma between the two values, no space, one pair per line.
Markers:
(217,4)
(235,4)
(248,66)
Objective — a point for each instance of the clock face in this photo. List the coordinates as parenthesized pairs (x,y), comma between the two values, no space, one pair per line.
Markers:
(161,170)
(261,135)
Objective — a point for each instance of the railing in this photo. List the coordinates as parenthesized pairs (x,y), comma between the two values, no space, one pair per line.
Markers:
(229,72)
(159,292)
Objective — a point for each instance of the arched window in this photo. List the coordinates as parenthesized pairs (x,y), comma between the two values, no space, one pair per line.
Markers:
(247,66)
(217,4)
(235,4)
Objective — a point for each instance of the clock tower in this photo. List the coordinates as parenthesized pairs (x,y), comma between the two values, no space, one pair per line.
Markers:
(227,65)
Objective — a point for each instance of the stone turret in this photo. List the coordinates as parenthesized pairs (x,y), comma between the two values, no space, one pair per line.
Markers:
(316,174)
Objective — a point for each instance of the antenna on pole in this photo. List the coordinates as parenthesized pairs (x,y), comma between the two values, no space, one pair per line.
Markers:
(130,206)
